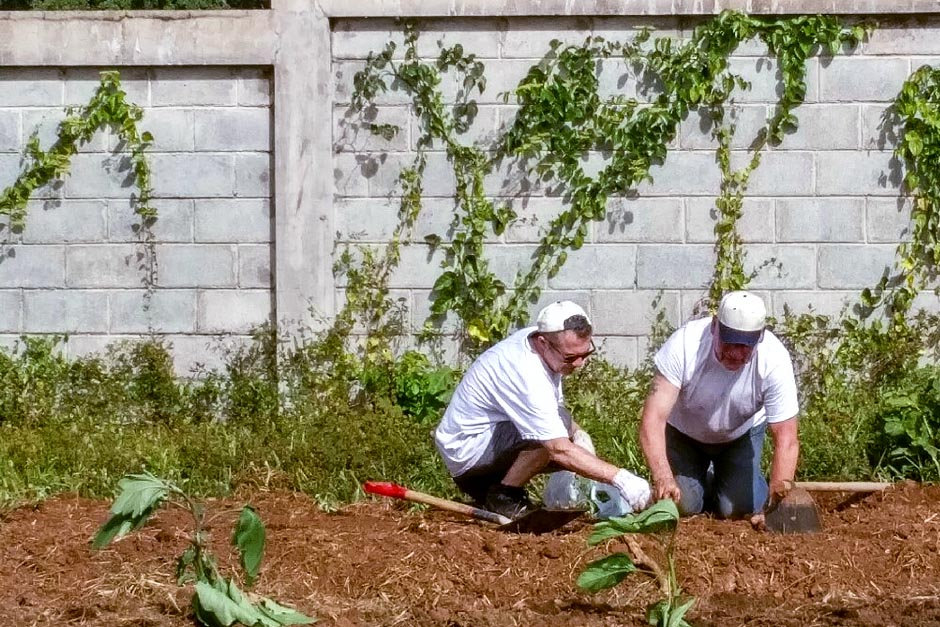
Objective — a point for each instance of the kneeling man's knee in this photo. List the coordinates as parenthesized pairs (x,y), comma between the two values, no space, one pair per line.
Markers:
(692,499)
(743,502)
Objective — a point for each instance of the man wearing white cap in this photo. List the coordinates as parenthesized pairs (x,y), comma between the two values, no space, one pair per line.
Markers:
(720,382)
(506,421)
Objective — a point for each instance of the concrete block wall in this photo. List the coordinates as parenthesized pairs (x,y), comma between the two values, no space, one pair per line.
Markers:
(75,267)
(825,207)
(260,175)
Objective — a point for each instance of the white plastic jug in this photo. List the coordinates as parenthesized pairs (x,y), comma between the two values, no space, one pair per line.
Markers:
(566,490)
(608,501)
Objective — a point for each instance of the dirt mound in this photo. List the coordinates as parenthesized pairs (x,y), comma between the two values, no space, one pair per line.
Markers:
(877,562)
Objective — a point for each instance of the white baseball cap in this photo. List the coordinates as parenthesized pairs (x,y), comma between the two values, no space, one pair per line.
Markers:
(741,318)
(553,316)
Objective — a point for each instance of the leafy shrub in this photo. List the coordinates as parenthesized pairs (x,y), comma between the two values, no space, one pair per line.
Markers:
(31,379)
(906,441)
(846,369)
(146,368)
(248,383)
(421,390)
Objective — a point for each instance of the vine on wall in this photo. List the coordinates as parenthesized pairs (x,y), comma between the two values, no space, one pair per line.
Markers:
(108,108)
(561,120)
(917,111)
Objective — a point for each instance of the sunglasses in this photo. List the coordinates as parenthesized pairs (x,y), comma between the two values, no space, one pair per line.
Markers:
(570,359)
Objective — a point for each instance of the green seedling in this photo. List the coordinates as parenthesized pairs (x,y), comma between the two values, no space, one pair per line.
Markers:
(661,522)
(217,602)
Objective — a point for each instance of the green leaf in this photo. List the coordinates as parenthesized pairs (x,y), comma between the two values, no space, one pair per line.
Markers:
(114,527)
(658,613)
(914,142)
(662,516)
(283,615)
(604,531)
(677,615)
(186,561)
(249,538)
(606,572)
(477,331)
(139,493)
(223,605)
(139,496)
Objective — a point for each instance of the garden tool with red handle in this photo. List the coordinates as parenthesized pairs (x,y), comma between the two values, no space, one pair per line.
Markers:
(540,520)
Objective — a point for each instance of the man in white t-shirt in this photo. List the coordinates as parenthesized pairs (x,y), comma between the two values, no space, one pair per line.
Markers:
(720,383)
(506,421)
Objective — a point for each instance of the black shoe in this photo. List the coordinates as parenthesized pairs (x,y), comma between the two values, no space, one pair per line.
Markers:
(508,501)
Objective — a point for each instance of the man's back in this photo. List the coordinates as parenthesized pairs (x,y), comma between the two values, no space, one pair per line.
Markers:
(506,383)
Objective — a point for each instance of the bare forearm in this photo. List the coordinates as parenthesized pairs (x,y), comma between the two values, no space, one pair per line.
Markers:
(653,443)
(786,451)
(783,467)
(656,410)
(580,461)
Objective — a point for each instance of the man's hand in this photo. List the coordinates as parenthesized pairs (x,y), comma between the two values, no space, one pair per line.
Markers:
(634,490)
(759,522)
(667,488)
(777,490)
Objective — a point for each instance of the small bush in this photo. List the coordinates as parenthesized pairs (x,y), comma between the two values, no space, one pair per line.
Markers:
(847,370)
(420,390)
(906,432)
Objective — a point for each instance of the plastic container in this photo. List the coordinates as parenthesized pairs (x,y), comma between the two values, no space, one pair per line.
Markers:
(566,490)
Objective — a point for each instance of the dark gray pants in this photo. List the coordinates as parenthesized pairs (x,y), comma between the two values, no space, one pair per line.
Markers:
(504,448)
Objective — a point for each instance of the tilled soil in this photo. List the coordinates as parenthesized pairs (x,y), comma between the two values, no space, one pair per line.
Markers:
(877,562)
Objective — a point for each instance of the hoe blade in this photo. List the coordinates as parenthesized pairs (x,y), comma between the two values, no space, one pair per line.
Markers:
(795,513)
(542,520)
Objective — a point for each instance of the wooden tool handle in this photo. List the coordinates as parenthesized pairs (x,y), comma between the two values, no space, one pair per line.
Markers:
(386,488)
(841,486)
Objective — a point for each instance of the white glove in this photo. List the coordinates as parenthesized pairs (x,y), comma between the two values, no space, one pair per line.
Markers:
(634,490)
(582,439)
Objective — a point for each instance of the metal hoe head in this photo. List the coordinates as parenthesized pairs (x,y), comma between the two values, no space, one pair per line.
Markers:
(542,520)
(795,513)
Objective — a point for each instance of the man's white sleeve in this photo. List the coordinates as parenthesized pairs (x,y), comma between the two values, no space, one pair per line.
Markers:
(670,357)
(780,398)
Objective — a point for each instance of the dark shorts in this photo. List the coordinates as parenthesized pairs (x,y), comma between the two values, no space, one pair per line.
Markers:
(505,446)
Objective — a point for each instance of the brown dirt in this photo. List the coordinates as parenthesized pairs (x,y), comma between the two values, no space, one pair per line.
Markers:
(378,563)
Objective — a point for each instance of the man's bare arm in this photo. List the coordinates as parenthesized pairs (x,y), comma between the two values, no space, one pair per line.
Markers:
(659,403)
(572,457)
(786,454)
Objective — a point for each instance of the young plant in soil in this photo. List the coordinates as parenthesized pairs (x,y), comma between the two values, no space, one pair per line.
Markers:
(217,602)
(661,522)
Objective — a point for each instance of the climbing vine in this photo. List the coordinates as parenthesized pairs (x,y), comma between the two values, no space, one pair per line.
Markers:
(864,377)
(108,108)
(562,120)
(917,112)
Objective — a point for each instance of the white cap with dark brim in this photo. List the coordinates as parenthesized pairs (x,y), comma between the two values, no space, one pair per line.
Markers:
(741,318)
